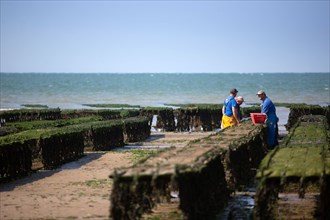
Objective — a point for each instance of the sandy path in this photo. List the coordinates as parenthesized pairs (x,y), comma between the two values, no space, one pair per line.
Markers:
(77,190)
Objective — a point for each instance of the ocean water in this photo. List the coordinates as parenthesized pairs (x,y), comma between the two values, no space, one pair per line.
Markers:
(68,91)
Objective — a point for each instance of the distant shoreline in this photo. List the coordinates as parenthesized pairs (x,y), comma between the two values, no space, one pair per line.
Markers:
(128,106)
(136,73)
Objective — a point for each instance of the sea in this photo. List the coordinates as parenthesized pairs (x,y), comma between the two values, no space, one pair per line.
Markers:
(75,90)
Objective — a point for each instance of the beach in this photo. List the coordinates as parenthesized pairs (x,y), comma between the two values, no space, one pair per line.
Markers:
(79,189)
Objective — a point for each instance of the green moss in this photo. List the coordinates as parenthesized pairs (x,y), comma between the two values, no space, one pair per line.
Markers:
(294,162)
(309,132)
(199,105)
(305,153)
(22,136)
(44,124)
(172,215)
(82,125)
(290,105)
(34,106)
(139,156)
(112,105)
(30,114)
(94,183)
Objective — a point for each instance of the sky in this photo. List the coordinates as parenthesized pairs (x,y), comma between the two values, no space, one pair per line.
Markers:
(164,36)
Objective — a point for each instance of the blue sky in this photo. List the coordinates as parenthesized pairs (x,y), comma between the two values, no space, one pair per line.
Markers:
(165,36)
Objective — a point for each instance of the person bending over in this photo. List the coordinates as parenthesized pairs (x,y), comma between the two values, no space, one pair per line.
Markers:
(230,110)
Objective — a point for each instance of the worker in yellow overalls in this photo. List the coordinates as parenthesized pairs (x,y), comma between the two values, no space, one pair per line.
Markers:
(230,110)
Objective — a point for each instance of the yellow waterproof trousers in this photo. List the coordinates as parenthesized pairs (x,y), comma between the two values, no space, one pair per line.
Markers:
(227,121)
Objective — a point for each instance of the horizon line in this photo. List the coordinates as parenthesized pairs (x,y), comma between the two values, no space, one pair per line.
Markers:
(162,72)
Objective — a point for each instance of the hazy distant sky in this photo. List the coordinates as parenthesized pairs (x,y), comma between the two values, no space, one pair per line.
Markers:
(165,36)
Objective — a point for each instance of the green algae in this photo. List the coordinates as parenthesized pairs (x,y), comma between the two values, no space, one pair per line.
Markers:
(45,124)
(111,105)
(300,165)
(34,106)
(293,161)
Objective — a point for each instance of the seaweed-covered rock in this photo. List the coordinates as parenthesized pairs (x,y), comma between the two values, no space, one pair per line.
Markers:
(298,166)
(199,171)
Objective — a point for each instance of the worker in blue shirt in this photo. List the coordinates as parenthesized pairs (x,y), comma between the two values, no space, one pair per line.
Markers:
(230,110)
(269,109)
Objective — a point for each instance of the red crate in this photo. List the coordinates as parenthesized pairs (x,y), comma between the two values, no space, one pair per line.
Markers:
(258,118)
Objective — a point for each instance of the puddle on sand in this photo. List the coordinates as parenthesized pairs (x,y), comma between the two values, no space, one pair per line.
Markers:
(240,206)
